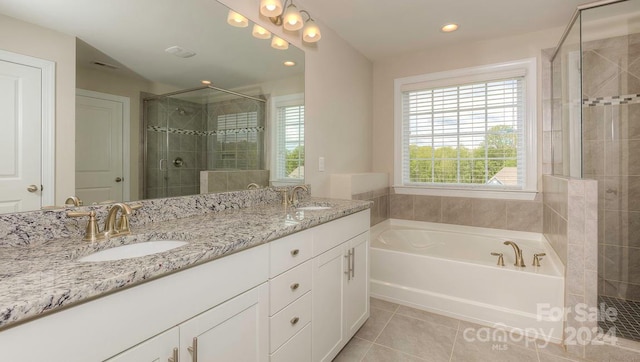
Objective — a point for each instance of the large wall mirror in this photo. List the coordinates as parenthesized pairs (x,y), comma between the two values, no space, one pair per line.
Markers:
(174,98)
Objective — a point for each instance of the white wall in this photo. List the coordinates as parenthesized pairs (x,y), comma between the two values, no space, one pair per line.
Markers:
(455,56)
(28,39)
(338,102)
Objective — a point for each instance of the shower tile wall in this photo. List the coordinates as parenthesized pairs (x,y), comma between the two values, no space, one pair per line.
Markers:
(185,124)
(611,144)
(236,137)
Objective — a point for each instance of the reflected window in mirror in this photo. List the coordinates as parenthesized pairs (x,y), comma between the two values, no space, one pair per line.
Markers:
(289,139)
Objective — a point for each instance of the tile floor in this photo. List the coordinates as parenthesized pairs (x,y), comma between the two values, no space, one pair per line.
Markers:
(396,333)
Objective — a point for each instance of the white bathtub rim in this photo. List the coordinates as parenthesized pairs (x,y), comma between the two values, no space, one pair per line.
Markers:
(455,228)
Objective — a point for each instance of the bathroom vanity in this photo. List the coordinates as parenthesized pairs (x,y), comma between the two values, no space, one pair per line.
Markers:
(254,284)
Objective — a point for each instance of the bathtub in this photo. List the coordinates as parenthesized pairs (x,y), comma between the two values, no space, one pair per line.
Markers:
(448,269)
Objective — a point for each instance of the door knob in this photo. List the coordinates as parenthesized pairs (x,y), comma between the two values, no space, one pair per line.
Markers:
(118,179)
(32,188)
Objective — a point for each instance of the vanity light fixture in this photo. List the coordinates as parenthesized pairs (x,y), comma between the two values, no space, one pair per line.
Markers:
(260,32)
(291,19)
(205,82)
(289,63)
(237,20)
(279,43)
(448,28)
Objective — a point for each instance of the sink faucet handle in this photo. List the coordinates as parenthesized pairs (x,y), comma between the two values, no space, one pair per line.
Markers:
(500,258)
(536,258)
(92,232)
(123,223)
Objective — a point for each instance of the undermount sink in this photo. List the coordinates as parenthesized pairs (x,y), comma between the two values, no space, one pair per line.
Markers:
(313,208)
(133,250)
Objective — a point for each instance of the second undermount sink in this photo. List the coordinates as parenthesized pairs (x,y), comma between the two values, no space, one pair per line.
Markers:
(313,208)
(133,250)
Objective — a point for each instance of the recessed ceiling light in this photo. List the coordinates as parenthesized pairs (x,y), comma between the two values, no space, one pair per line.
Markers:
(449,27)
(205,82)
(289,63)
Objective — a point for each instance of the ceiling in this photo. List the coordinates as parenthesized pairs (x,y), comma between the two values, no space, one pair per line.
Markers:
(133,34)
(380,29)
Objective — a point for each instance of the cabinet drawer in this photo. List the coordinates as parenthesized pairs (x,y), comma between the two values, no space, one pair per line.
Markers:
(289,286)
(290,321)
(297,349)
(334,233)
(289,252)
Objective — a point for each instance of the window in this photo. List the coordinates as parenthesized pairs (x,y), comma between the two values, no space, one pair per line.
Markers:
(471,129)
(288,159)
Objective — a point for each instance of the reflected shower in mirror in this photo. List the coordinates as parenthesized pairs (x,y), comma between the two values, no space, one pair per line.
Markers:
(158,49)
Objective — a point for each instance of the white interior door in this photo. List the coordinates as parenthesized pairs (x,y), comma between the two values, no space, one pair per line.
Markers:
(20,137)
(99,148)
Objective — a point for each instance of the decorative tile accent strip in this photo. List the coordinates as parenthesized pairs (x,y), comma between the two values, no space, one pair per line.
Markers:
(206,133)
(611,101)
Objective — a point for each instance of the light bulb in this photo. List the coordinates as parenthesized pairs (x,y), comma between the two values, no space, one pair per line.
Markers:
(237,20)
(449,28)
(311,32)
(260,32)
(292,20)
(279,43)
(270,8)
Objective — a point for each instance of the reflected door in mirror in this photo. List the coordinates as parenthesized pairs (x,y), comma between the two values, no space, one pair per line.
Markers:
(99,147)
(20,129)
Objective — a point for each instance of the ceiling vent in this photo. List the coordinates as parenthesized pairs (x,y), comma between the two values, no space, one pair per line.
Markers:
(180,52)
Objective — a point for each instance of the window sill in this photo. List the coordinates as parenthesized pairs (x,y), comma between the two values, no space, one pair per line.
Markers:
(479,194)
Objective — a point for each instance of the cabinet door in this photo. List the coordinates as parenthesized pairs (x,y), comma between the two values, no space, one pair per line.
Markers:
(356,306)
(327,315)
(235,331)
(156,349)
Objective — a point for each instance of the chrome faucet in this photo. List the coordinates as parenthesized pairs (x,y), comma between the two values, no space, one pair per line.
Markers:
(253,185)
(293,199)
(516,249)
(110,228)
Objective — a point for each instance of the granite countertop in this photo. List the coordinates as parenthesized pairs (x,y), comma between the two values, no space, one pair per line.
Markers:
(37,279)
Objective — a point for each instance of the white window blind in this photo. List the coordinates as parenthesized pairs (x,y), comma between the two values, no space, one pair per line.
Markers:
(469,135)
(290,142)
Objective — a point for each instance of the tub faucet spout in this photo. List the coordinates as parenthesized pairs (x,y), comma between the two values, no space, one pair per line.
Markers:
(518,251)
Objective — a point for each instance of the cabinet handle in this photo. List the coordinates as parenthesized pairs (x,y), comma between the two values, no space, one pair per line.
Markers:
(348,272)
(293,321)
(295,252)
(174,358)
(294,286)
(194,350)
(353,263)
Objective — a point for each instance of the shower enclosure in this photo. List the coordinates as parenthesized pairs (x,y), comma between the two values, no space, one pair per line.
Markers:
(595,134)
(200,129)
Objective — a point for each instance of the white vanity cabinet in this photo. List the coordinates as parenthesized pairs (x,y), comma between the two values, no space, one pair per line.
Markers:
(224,303)
(296,299)
(340,284)
(233,331)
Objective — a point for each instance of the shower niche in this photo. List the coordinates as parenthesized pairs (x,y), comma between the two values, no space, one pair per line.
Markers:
(203,140)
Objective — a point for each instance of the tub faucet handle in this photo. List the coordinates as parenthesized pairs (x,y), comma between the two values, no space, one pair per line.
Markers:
(500,258)
(536,259)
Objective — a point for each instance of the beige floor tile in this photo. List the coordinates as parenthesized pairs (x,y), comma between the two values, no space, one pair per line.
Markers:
(555,350)
(607,353)
(354,351)
(379,353)
(383,304)
(418,338)
(472,351)
(374,325)
(497,336)
(427,316)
